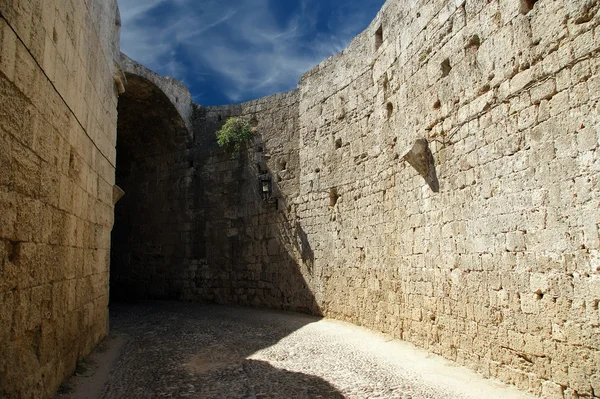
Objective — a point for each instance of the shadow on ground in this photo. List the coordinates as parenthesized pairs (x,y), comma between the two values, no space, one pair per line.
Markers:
(176,350)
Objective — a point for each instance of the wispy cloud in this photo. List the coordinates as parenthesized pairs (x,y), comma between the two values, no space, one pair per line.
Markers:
(243,49)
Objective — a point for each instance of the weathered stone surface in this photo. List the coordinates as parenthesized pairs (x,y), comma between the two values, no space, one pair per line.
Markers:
(497,270)
(57,126)
(478,272)
(208,351)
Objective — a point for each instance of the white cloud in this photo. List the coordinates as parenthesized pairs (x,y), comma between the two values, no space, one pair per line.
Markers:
(239,42)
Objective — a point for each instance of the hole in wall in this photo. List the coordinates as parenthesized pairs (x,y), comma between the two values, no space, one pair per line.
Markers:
(437,104)
(484,89)
(318,170)
(390,109)
(219,117)
(539,296)
(283,165)
(474,41)
(338,144)
(333,197)
(259,149)
(378,37)
(14,252)
(445,67)
(54,35)
(527,5)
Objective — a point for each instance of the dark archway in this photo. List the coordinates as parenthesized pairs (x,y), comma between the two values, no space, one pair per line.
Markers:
(154,168)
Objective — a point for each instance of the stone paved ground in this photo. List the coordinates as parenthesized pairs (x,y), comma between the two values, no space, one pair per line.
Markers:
(175,350)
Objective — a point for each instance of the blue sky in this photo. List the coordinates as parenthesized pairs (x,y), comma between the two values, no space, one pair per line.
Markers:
(230,51)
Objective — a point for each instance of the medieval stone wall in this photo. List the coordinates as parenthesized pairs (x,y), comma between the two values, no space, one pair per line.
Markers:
(251,251)
(491,259)
(57,155)
(153,233)
(494,263)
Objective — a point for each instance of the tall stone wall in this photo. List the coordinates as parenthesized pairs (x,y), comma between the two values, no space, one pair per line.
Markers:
(251,251)
(57,156)
(153,232)
(491,258)
(437,180)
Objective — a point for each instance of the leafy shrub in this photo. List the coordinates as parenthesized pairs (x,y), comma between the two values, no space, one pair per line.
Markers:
(234,134)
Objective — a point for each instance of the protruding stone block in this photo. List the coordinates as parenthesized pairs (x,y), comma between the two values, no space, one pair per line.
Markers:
(118,193)
(419,156)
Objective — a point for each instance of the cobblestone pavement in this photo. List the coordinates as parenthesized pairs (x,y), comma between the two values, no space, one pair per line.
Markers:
(175,350)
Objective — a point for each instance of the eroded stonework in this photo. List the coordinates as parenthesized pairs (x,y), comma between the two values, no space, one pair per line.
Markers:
(437,180)
(496,265)
(58,106)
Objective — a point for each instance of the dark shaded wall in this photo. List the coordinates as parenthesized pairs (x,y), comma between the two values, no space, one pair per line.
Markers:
(151,239)
(192,224)
(249,253)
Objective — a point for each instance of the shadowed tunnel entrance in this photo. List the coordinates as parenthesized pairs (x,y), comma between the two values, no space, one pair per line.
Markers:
(152,148)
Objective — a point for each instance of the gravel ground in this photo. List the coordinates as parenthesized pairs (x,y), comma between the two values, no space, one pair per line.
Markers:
(178,350)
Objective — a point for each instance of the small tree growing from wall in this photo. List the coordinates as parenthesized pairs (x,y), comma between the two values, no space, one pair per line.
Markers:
(234,134)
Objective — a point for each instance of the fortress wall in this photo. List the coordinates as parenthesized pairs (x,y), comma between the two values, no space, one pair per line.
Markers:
(251,253)
(492,260)
(153,234)
(499,269)
(57,138)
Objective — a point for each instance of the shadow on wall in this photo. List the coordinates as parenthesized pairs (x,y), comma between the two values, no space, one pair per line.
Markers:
(207,351)
(419,156)
(150,239)
(244,257)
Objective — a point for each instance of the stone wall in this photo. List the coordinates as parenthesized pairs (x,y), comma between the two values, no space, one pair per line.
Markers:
(437,180)
(493,263)
(152,236)
(491,258)
(57,156)
(252,251)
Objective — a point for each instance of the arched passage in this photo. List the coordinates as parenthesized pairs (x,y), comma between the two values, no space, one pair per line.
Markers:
(154,170)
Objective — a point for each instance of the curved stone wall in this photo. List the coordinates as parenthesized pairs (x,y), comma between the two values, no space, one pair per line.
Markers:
(154,169)
(439,179)
(499,269)
(175,91)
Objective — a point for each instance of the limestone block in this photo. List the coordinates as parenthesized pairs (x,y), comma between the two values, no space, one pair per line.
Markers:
(559,103)
(9,50)
(419,157)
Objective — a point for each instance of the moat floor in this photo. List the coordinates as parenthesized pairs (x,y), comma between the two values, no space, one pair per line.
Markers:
(175,350)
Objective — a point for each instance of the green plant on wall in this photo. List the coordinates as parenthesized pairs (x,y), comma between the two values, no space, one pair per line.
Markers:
(234,134)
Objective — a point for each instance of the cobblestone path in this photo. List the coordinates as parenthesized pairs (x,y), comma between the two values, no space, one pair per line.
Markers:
(175,350)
